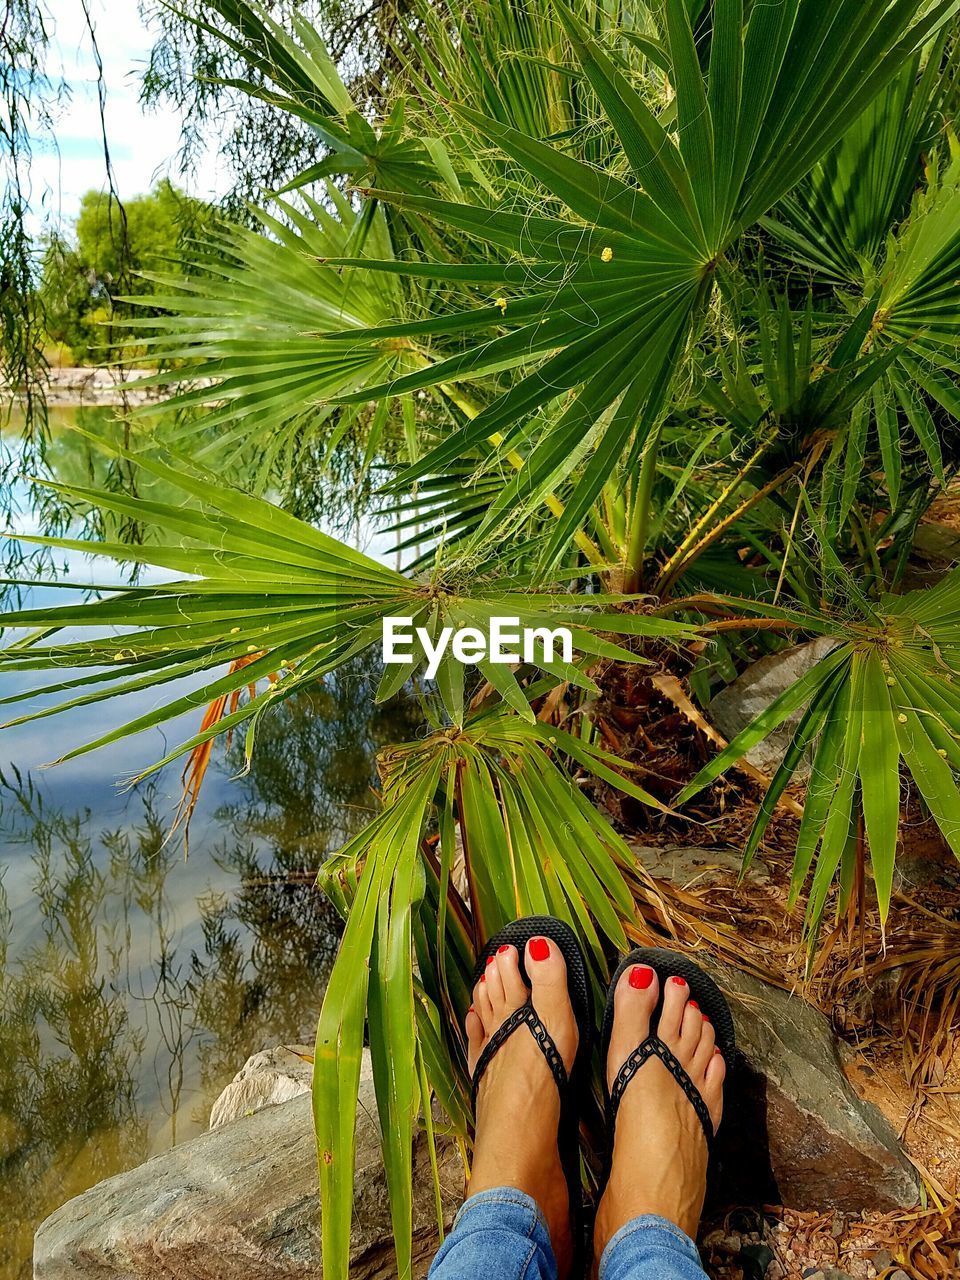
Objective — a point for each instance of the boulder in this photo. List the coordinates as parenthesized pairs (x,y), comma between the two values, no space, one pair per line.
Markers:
(688,867)
(240,1203)
(794,1130)
(753,691)
(273,1076)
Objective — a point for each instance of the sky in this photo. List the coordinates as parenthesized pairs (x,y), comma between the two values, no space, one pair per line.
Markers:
(143,144)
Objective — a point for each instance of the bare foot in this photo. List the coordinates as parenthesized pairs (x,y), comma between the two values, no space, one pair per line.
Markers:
(660,1152)
(518,1106)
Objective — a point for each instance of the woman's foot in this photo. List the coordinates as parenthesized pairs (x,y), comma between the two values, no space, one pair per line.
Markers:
(518,1106)
(660,1152)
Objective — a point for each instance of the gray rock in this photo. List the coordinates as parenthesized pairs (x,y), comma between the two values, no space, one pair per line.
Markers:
(753,691)
(794,1131)
(688,867)
(240,1203)
(268,1078)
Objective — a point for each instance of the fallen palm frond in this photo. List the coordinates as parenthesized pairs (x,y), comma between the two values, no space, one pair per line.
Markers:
(922,1243)
(921,967)
(195,770)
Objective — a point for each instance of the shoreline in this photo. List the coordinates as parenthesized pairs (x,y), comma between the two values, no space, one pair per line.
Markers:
(87,386)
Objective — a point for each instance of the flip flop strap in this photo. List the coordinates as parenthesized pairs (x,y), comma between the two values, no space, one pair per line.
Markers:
(653,1047)
(526,1015)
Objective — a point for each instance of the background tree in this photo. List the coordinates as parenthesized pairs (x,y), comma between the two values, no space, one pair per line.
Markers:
(113,245)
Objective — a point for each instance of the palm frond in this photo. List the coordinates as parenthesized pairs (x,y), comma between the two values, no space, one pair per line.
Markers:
(254,329)
(268,595)
(889,690)
(531,843)
(839,217)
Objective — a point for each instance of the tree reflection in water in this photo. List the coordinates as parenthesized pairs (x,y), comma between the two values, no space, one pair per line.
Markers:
(126,1003)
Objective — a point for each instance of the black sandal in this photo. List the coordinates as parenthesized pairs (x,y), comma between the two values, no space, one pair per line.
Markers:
(573,1087)
(712,1002)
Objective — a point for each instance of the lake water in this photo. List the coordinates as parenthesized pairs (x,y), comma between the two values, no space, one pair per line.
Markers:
(135,981)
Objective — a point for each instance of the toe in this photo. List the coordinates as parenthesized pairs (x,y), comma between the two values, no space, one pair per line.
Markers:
(633,1004)
(494,986)
(713,1086)
(482,1005)
(475,1038)
(514,988)
(676,992)
(545,965)
(704,1051)
(691,1029)
(547,971)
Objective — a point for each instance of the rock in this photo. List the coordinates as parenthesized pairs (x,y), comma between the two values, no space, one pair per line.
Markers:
(240,1203)
(755,1260)
(794,1131)
(882,1259)
(898,1275)
(686,867)
(924,859)
(753,691)
(273,1076)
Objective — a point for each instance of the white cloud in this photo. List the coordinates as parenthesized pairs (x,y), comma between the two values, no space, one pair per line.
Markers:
(143,144)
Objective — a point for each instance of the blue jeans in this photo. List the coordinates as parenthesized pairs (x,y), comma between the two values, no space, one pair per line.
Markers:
(501,1235)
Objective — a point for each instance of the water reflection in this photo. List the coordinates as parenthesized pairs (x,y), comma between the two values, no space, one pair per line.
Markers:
(133,985)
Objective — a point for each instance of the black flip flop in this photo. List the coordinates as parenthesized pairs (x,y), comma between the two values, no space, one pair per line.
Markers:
(573,1087)
(712,1002)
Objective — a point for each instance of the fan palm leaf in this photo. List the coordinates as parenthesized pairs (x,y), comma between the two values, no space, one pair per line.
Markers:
(888,691)
(532,843)
(268,595)
(639,255)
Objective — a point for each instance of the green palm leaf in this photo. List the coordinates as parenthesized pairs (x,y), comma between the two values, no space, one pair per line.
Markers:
(650,246)
(255,330)
(532,843)
(270,598)
(840,215)
(889,690)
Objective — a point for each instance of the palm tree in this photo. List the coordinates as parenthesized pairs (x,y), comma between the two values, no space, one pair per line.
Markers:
(659,304)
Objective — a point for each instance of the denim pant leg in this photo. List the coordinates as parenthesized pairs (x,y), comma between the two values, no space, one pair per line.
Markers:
(497,1235)
(651,1248)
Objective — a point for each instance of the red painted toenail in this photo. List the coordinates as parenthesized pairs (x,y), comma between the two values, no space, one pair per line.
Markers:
(715,1052)
(539,949)
(471,1009)
(706,1020)
(501,950)
(692,1004)
(483,977)
(640,977)
(681,982)
(489,959)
